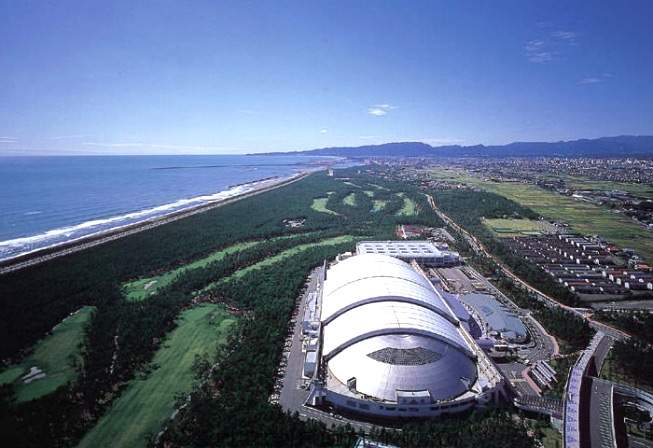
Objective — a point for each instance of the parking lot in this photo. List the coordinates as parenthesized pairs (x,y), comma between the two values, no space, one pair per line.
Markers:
(291,389)
(541,346)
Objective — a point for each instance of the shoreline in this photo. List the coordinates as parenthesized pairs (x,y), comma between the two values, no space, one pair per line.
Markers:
(44,254)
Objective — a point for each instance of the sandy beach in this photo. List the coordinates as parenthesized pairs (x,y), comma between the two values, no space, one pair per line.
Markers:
(57,250)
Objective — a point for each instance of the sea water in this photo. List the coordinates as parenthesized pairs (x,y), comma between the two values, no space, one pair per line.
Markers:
(45,201)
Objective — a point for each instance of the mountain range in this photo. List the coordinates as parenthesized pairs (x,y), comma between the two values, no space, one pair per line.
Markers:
(625,145)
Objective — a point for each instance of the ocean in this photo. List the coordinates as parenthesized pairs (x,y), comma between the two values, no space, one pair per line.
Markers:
(45,201)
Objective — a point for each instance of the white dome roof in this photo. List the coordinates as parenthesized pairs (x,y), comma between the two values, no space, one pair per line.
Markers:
(385,325)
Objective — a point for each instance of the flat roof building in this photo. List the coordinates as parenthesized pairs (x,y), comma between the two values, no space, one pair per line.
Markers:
(423,251)
(496,317)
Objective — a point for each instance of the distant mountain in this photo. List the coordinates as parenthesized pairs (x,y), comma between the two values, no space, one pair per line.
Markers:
(625,145)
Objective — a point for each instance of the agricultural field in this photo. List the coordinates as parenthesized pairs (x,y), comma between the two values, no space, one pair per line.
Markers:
(518,227)
(350,200)
(582,217)
(451,175)
(409,208)
(319,205)
(56,357)
(640,190)
(149,401)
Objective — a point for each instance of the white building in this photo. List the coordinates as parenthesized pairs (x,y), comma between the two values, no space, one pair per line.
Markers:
(424,252)
(391,346)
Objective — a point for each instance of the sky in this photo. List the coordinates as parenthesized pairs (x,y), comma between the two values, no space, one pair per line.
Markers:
(221,77)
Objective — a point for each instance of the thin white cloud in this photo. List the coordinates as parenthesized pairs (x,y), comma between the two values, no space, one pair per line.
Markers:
(538,51)
(549,47)
(7,140)
(69,137)
(379,110)
(595,79)
(323,131)
(590,80)
(568,36)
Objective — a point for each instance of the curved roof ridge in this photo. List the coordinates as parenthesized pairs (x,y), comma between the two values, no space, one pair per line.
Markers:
(389,317)
(424,297)
(331,291)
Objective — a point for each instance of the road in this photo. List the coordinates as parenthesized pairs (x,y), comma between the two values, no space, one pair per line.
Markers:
(477,246)
(293,390)
(43,255)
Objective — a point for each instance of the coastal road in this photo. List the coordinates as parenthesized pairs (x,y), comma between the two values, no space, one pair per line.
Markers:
(46,254)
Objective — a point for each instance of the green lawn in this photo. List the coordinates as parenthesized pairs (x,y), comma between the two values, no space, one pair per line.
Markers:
(290,252)
(369,193)
(56,355)
(518,227)
(350,200)
(409,208)
(378,205)
(378,187)
(148,402)
(143,288)
(583,217)
(319,205)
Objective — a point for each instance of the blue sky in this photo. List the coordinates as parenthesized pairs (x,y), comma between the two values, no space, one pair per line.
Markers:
(139,77)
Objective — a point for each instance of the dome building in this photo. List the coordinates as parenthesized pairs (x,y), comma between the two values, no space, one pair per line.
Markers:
(391,346)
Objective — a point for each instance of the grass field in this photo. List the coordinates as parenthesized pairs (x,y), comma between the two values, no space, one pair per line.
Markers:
(518,227)
(319,205)
(641,190)
(583,217)
(378,205)
(409,208)
(369,193)
(56,355)
(350,200)
(290,252)
(351,184)
(280,256)
(143,288)
(613,372)
(378,187)
(148,402)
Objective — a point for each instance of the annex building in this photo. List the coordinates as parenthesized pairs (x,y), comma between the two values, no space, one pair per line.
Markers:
(424,252)
(391,346)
